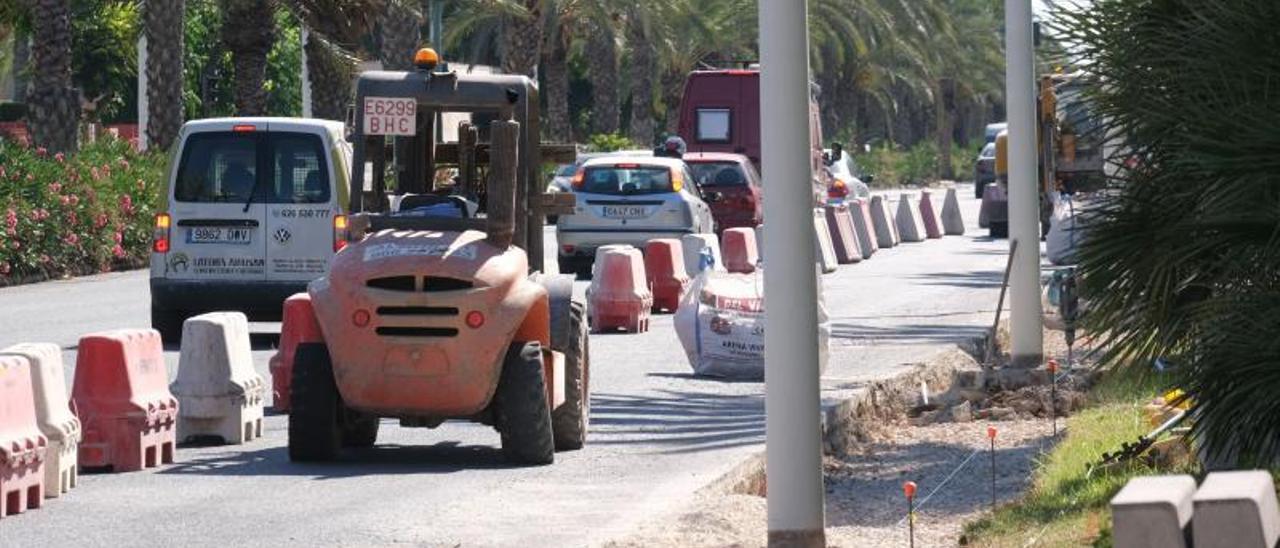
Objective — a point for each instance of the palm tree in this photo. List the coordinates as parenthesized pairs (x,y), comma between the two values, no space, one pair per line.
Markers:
(54,105)
(644,67)
(248,30)
(556,41)
(521,38)
(400,28)
(162,24)
(336,29)
(602,64)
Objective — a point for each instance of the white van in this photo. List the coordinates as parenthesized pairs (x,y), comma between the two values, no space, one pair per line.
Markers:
(254,208)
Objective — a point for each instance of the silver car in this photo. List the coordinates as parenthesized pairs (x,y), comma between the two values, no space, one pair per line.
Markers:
(629,200)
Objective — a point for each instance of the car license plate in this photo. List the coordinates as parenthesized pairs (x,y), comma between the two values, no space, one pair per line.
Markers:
(218,235)
(624,212)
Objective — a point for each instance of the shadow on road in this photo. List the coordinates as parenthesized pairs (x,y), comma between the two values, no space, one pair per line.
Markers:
(906,334)
(678,421)
(439,458)
(974,279)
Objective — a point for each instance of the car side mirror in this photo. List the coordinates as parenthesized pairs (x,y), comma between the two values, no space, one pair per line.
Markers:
(713,196)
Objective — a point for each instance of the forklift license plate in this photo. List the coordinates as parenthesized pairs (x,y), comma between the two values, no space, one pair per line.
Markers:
(390,116)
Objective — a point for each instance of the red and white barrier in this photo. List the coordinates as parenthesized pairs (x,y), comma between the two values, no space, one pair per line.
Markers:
(929,215)
(740,250)
(299,326)
(844,238)
(619,296)
(53,415)
(22,446)
(121,395)
(864,228)
(665,270)
(219,392)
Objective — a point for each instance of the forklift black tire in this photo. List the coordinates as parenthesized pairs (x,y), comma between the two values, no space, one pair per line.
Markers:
(999,229)
(315,434)
(168,323)
(360,431)
(570,421)
(522,414)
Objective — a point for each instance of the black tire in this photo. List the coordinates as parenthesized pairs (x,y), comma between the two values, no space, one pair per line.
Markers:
(359,430)
(522,415)
(315,433)
(168,323)
(999,229)
(569,422)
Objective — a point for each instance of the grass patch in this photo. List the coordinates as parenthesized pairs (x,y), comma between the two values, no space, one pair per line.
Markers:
(1064,507)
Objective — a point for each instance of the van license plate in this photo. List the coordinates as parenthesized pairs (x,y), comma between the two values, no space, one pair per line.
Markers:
(218,235)
(624,212)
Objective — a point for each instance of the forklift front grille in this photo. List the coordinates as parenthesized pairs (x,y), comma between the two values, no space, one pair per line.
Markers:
(417,311)
(437,283)
(392,283)
(388,331)
(430,284)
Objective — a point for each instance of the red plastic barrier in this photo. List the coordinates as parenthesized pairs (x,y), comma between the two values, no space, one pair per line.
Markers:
(738,246)
(843,237)
(664,268)
(619,296)
(22,446)
(929,215)
(299,326)
(121,394)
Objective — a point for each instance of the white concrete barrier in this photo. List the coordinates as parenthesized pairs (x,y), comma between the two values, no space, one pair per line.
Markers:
(952,221)
(219,392)
(1153,512)
(53,415)
(886,228)
(824,248)
(1236,510)
(693,244)
(910,226)
(760,241)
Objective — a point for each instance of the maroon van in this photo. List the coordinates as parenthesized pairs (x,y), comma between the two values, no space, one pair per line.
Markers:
(720,112)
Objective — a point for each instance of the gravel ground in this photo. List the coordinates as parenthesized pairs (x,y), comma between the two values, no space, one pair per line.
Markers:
(864,500)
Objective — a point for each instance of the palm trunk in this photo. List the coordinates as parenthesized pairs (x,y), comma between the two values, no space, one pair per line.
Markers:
(672,94)
(248,29)
(162,22)
(521,40)
(54,106)
(400,32)
(944,107)
(331,72)
(602,65)
(555,67)
(643,66)
(21,64)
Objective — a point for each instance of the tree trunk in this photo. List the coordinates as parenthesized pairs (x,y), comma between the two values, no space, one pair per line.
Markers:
(943,106)
(521,40)
(331,72)
(21,64)
(602,66)
(399,28)
(249,31)
(162,22)
(555,66)
(643,66)
(672,94)
(53,105)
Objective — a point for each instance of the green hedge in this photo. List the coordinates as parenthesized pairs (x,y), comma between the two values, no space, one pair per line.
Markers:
(90,212)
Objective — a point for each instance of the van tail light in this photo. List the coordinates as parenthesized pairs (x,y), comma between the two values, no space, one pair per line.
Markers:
(341,237)
(160,238)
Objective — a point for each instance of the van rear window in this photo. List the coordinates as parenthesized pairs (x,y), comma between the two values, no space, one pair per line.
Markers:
(718,173)
(713,125)
(284,168)
(620,180)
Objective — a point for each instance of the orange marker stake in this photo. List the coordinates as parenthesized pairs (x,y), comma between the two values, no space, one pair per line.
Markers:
(991,434)
(909,489)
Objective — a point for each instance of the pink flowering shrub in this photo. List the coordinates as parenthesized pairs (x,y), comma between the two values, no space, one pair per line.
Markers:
(91,211)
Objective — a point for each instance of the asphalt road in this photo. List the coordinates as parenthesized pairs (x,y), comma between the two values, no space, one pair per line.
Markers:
(658,433)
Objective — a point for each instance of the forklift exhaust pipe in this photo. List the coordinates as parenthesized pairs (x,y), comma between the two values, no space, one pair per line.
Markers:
(503,160)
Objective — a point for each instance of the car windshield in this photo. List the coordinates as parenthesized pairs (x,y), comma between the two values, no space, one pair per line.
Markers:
(988,151)
(566,170)
(718,173)
(626,179)
(224,167)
